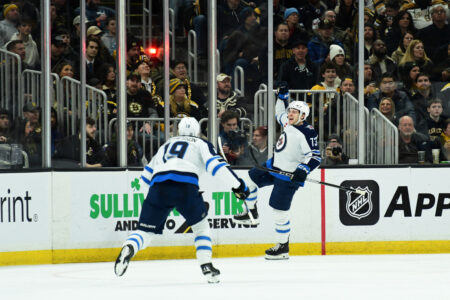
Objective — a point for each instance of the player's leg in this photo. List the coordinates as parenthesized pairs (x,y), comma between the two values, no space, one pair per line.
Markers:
(280,201)
(254,179)
(151,221)
(192,207)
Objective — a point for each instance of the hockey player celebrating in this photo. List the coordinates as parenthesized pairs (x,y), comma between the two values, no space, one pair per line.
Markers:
(296,151)
(172,178)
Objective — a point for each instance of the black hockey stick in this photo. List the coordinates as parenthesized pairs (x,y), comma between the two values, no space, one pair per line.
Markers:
(291,175)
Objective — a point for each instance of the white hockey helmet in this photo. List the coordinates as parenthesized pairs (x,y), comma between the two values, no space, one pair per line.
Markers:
(189,126)
(302,107)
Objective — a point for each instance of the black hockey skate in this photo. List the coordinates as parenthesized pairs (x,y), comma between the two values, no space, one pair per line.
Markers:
(247,218)
(123,260)
(211,273)
(279,251)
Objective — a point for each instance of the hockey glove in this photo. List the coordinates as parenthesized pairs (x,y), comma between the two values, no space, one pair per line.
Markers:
(301,173)
(283,90)
(242,191)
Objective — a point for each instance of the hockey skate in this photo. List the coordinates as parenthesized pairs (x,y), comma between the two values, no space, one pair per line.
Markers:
(123,260)
(279,251)
(247,218)
(211,273)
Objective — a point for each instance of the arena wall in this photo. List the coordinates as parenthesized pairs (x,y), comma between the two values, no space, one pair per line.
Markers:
(59,217)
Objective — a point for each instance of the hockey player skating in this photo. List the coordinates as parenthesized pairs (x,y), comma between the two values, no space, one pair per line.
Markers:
(296,151)
(172,178)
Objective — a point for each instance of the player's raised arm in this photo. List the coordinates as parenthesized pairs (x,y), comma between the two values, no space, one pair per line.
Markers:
(282,103)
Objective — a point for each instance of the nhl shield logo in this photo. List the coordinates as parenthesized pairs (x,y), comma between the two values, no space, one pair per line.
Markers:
(359,206)
(356,209)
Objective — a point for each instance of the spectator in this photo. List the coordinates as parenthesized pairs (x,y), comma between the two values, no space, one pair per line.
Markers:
(180,105)
(8,26)
(334,154)
(445,140)
(57,52)
(423,94)
(391,12)
(398,54)
(436,35)
(410,142)
(433,124)
(299,71)
(228,19)
(310,14)
(388,88)
(109,37)
(346,15)
(96,13)
(380,62)
(387,108)
(30,139)
(18,47)
(107,78)
(330,80)
(402,24)
(319,45)
(31,51)
(69,147)
(416,53)
(442,65)
(370,86)
(133,52)
(5,126)
(134,150)
(93,60)
(347,86)
(408,76)
(259,145)
(75,40)
(64,69)
(370,35)
(69,52)
(337,56)
(232,140)
(344,36)
(227,99)
(296,31)
(139,101)
(278,12)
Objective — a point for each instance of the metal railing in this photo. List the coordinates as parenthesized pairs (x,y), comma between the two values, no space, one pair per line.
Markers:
(10,82)
(192,56)
(31,87)
(383,137)
(239,80)
(172,32)
(350,126)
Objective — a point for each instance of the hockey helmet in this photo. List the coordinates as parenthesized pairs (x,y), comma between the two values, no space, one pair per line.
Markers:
(302,107)
(189,126)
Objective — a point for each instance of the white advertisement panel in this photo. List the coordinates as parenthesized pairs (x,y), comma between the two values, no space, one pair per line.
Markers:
(401,204)
(25,211)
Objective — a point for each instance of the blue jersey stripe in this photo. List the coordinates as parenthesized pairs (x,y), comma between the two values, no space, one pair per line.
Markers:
(175,177)
(204,248)
(202,237)
(149,169)
(251,199)
(144,179)
(216,168)
(287,223)
(282,231)
(210,160)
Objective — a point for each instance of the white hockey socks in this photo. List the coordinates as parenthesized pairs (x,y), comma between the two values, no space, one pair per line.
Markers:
(139,240)
(282,225)
(202,242)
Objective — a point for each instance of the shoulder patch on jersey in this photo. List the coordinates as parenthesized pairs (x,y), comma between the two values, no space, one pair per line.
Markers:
(281,143)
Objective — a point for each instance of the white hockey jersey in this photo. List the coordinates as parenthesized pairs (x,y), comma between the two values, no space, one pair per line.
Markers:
(185,159)
(296,147)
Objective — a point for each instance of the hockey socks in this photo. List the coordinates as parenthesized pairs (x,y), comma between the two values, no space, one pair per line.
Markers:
(282,230)
(203,246)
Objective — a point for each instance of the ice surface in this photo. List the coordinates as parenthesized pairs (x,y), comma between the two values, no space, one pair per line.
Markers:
(300,277)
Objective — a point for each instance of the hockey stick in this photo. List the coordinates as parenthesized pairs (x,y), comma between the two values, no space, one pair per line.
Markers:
(291,175)
(220,146)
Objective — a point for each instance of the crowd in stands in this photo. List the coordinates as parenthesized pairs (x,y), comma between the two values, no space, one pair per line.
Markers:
(315,47)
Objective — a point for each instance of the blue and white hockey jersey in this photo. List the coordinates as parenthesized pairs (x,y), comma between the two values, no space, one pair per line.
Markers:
(296,147)
(185,159)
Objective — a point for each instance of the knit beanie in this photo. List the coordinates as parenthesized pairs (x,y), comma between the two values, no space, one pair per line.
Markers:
(8,7)
(174,83)
(335,50)
(289,11)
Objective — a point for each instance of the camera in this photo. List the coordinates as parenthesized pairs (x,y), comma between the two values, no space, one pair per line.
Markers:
(336,151)
(236,139)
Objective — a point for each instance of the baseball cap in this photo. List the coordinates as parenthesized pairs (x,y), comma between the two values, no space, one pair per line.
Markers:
(77,20)
(298,42)
(93,30)
(222,76)
(58,41)
(325,24)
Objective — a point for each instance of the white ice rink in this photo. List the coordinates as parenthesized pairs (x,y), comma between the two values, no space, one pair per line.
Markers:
(301,277)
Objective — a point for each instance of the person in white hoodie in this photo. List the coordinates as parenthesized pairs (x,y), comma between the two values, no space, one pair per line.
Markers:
(24,28)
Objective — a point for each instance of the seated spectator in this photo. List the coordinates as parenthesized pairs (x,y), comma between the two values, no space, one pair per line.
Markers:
(107,78)
(380,62)
(398,54)
(445,140)
(31,141)
(402,24)
(436,35)
(296,31)
(32,114)
(134,150)
(310,14)
(259,145)
(416,53)
(69,52)
(133,54)
(346,15)
(8,26)
(347,86)
(344,36)
(93,59)
(299,71)
(228,19)
(96,13)
(139,102)
(330,81)
(57,50)
(18,47)
(370,86)
(69,147)
(319,45)
(334,154)
(232,140)
(109,37)
(387,108)
(388,88)
(180,105)
(410,142)
(423,93)
(370,35)
(442,65)
(337,56)
(24,27)
(5,127)
(228,99)
(410,70)
(433,124)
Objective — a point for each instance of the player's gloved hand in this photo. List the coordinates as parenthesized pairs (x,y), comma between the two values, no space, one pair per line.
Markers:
(283,90)
(301,173)
(242,191)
